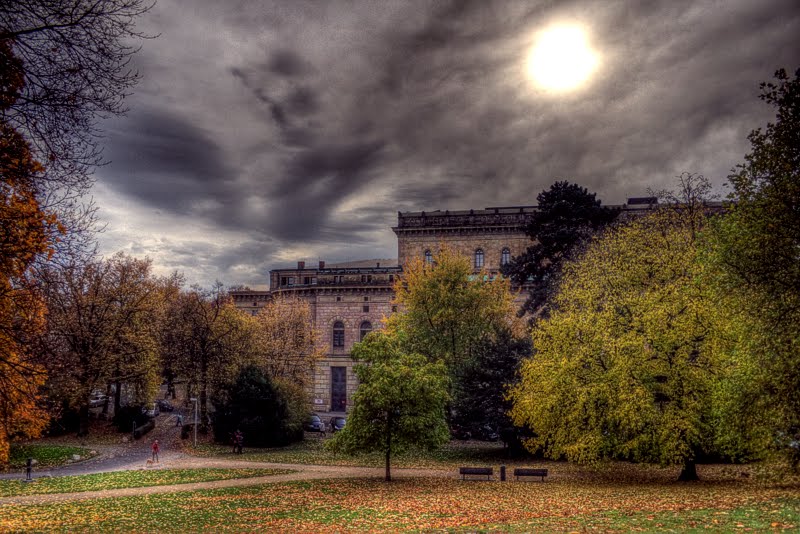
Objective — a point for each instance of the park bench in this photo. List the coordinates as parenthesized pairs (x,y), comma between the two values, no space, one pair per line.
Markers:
(483,471)
(525,472)
(140,431)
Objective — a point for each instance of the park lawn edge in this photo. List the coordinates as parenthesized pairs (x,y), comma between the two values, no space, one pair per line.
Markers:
(129,479)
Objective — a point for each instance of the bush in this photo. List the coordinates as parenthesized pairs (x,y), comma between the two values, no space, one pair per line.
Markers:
(255,407)
(125,418)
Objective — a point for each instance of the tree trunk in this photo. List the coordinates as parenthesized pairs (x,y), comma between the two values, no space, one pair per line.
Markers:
(689,472)
(388,446)
(117,396)
(83,420)
(108,396)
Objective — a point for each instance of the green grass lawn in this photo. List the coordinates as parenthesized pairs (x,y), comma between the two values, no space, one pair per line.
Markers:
(430,504)
(312,451)
(126,479)
(47,455)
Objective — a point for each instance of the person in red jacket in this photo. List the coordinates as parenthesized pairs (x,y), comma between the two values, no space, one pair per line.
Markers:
(155,450)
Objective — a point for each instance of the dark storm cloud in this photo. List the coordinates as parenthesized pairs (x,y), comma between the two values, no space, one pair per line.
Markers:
(287,63)
(167,162)
(306,126)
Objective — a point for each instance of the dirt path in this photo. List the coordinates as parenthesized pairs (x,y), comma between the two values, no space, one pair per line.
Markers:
(302,472)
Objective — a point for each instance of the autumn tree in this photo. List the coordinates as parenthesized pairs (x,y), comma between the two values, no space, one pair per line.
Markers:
(286,348)
(26,232)
(445,309)
(755,250)
(100,330)
(625,366)
(400,400)
(286,345)
(566,216)
(206,340)
(74,63)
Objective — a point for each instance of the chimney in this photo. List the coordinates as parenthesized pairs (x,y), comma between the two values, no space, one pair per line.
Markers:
(321,264)
(379,264)
(301,265)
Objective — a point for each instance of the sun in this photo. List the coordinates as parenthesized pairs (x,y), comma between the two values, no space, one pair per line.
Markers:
(562,59)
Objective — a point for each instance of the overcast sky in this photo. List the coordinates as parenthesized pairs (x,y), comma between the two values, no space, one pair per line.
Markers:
(268,132)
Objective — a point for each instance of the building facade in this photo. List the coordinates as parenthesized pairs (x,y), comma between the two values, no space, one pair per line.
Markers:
(348,300)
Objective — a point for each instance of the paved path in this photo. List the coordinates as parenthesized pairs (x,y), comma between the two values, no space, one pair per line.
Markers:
(133,456)
(302,472)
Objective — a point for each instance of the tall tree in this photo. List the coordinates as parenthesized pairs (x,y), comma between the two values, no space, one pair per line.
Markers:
(207,340)
(75,65)
(480,399)
(285,344)
(26,232)
(756,250)
(567,215)
(625,365)
(446,309)
(100,329)
(399,403)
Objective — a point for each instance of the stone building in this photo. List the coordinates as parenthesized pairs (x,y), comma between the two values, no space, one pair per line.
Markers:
(348,300)
(489,237)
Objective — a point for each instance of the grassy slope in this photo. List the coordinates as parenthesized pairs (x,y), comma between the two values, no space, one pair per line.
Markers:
(47,455)
(370,504)
(126,479)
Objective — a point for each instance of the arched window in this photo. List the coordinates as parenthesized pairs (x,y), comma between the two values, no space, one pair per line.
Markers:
(428,257)
(338,334)
(505,256)
(366,328)
(479,259)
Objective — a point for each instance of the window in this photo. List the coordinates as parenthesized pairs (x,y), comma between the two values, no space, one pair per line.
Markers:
(505,256)
(366,299)
(365,309)
(284,281)
(366,328)
(394,309)
(291,281)
(428,257)
(338,334)
(391,278)
(338,299)
(479,259)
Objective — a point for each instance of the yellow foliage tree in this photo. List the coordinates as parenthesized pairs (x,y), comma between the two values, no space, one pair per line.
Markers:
(625,366)
(286,345)
(446,309)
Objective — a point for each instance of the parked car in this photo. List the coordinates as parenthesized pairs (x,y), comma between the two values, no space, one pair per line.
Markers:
(486,433)
(97,399)
(337,423)
(314,424)
(153,411)
(164,405)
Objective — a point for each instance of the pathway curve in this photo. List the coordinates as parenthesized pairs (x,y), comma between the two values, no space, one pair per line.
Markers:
(302,472)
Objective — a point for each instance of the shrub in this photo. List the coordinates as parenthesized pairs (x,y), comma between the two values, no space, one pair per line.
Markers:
(255,407)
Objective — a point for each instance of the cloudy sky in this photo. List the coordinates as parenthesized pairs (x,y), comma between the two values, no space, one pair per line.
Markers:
(268,132)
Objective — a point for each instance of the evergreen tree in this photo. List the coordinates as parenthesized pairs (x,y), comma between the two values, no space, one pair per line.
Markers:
(567,215)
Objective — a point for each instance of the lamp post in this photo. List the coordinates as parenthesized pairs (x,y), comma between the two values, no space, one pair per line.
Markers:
(194,400)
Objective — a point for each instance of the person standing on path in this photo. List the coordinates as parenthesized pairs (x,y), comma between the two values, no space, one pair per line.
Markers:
(155,450)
